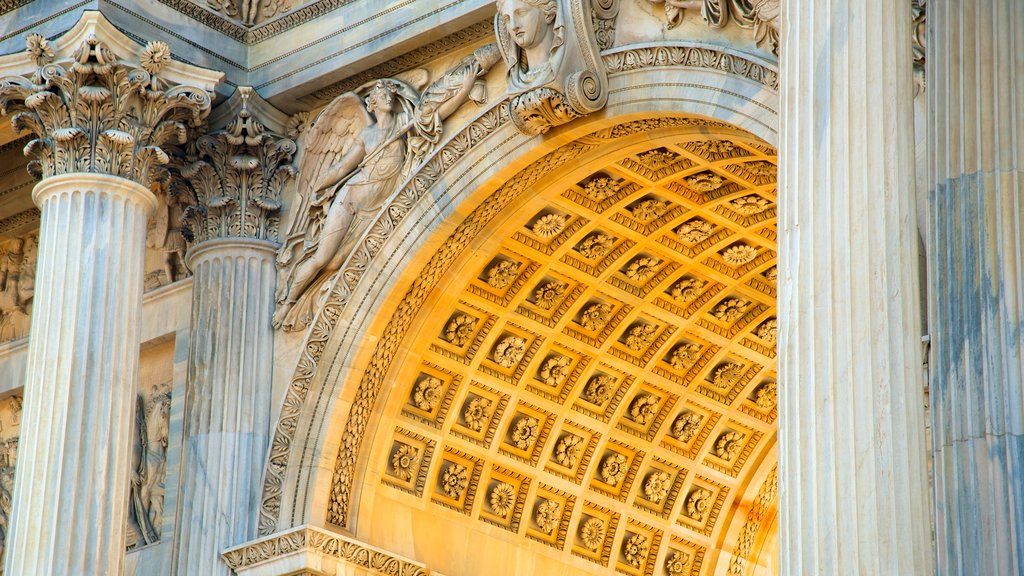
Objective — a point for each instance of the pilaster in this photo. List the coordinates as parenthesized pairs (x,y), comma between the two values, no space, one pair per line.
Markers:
(237,173)
(100,124)
(852,451)
(975,71)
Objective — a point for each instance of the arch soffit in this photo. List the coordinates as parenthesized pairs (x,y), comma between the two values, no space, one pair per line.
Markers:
(652,87)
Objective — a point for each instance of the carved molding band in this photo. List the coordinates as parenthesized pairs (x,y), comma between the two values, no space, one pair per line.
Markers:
(324,323)
(94,113)
(309,540)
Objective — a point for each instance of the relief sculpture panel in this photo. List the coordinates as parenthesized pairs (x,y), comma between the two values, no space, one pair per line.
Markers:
(10,431)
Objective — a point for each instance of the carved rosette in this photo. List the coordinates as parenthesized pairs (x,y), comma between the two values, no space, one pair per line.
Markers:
(96,113)
(237,174)
(571,80)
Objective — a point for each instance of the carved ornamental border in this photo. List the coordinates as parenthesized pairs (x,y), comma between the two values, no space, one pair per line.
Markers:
(309,540)
(618,61)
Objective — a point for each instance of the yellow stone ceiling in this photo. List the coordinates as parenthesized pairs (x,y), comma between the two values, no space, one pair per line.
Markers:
(603,382)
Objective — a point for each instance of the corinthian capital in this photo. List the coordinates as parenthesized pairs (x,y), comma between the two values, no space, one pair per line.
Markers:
(91,110)
(238,173)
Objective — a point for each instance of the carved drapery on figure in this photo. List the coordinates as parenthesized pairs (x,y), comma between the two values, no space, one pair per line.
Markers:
(10,430)
(17,284)
(555,71)
(250,12)
(96,113)
(762,16)
(356,153)
(149,466)
(237,174)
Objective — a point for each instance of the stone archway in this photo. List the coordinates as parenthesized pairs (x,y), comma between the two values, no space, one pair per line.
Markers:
(646,98)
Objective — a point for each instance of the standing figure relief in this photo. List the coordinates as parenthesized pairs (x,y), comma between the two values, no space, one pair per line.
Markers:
(357,152)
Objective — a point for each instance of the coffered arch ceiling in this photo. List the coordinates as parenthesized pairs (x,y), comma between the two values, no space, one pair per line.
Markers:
(592,385)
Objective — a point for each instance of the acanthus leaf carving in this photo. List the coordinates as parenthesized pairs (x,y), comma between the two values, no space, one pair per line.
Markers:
(95,113)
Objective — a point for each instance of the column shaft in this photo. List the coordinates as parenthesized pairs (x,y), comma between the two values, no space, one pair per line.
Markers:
(852,452)
(71,491)
(227,427)
(975,74)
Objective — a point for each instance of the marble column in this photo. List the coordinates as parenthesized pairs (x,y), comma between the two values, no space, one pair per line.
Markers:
(975,77)
(97,160)
(227,427)
(853,491)
(236,178)
(71,490)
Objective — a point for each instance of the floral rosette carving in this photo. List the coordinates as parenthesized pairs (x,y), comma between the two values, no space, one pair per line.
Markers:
(568,450)
(596,316)
(730,310)
(555,370)
(524,432)
(548,514)
(643,408)
(658,159)
(739,254)
(548,294)
(503,498)
(635,550)
(766,396)
(677,563)
(601,188)
(509,351)
(549,226)
(695,231)
(613,468)
(727,375)
(427,394)
(713,149)
(95,113)
(404,461)
(728,445)
(698,503)
(648,209)
(641,336)
(768,331)
(657,486)
(642,269)
(749,205)
(502,274)
(595,246)
(459,329)
(454,480)
(684,356)
(704,182)
(686,426)
(592,533)
(760,168)
(687,290)
(599,389)
(477,413)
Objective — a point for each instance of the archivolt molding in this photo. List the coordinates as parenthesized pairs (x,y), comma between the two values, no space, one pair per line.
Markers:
(435,169)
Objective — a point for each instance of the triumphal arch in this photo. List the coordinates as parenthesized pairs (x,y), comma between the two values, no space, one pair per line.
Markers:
(414,288)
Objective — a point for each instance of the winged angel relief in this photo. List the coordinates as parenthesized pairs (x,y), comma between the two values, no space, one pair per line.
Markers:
(357,152)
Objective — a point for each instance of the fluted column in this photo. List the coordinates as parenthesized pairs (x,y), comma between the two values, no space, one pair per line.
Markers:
(71,490)
(100,125)
(975,74)
(852,452)
(236,174)
(231,355)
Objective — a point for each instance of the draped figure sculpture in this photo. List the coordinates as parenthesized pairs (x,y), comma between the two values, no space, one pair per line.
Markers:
(355,158)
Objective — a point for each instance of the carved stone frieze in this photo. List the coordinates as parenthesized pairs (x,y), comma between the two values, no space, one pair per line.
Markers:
(281,549)
(17,284)
(10,430)
(237,174)
(149,466)
(356,154)
(555,71)
(92,112)
(762,16)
